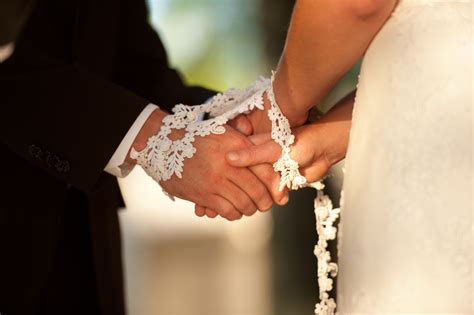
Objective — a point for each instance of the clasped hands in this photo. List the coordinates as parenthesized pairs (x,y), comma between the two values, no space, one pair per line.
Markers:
(232,173)
(256,154)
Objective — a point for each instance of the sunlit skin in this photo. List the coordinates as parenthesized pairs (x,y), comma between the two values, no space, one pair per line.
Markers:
(325,39)
(318,145)
(209,180)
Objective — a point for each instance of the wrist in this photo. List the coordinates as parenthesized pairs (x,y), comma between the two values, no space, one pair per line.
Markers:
(289,106)
(261,123)
(332,143)
(151,127)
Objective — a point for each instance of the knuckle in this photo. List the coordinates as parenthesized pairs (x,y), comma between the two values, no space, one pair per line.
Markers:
(277,194)
(236,216)
(239,203)
(250,213)
(230,217)
(261,193)
(251,209)
(266,205)
(223,212)
(226,216)
(265,201)
(245,205)
(227,210)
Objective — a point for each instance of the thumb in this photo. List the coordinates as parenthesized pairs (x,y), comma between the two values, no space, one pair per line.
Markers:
(265,153)
(242,124)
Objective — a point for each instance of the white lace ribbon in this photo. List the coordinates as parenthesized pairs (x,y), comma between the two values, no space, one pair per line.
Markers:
(281,134)
(326,216)
(162,158)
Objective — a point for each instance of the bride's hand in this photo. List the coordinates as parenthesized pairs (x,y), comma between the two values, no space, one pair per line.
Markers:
(317,146)
(308,150)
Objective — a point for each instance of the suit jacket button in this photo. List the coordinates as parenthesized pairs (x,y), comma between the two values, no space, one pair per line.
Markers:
(63,166)
(35,151)
(53,161)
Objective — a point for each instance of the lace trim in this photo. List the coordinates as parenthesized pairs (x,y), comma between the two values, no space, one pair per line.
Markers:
(326,215)
(323,209)
(281,134)
(162,158)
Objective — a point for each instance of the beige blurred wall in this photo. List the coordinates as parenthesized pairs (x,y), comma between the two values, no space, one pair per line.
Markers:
(176,263)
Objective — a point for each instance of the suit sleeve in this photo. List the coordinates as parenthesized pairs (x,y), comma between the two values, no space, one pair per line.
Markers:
(144,65)
(69,121)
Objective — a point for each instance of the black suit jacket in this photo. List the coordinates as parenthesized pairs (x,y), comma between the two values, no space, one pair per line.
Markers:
(82,72)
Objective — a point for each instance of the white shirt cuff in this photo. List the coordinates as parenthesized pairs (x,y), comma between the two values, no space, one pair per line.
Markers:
(117,165)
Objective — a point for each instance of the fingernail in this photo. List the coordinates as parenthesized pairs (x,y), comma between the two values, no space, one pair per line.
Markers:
(232,156)
(284,200)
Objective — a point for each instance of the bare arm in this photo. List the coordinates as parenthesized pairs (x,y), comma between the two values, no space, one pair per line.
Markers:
(325,39)
(318,145)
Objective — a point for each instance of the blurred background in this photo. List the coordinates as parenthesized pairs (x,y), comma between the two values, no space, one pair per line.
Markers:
(176,263)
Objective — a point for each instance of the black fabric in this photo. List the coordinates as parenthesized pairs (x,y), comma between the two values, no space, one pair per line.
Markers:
(72,265)
(13,14)
(81,73)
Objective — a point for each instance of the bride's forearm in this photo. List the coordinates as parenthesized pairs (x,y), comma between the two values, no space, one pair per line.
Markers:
(325,39)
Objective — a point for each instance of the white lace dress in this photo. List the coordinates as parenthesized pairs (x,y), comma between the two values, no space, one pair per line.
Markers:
(406,234)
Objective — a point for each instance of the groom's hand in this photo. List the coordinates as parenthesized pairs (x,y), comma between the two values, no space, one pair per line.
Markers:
(264,172)
(208,180)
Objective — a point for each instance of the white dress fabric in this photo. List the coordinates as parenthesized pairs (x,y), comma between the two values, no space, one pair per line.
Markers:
(406,232)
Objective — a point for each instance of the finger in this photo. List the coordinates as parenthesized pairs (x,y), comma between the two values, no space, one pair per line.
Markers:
(315,172)
(271,179)
(242,124)
(199,210)
(211,213)
(265,153)
(260,138)
(223,207)
(238,197)
(254,187)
